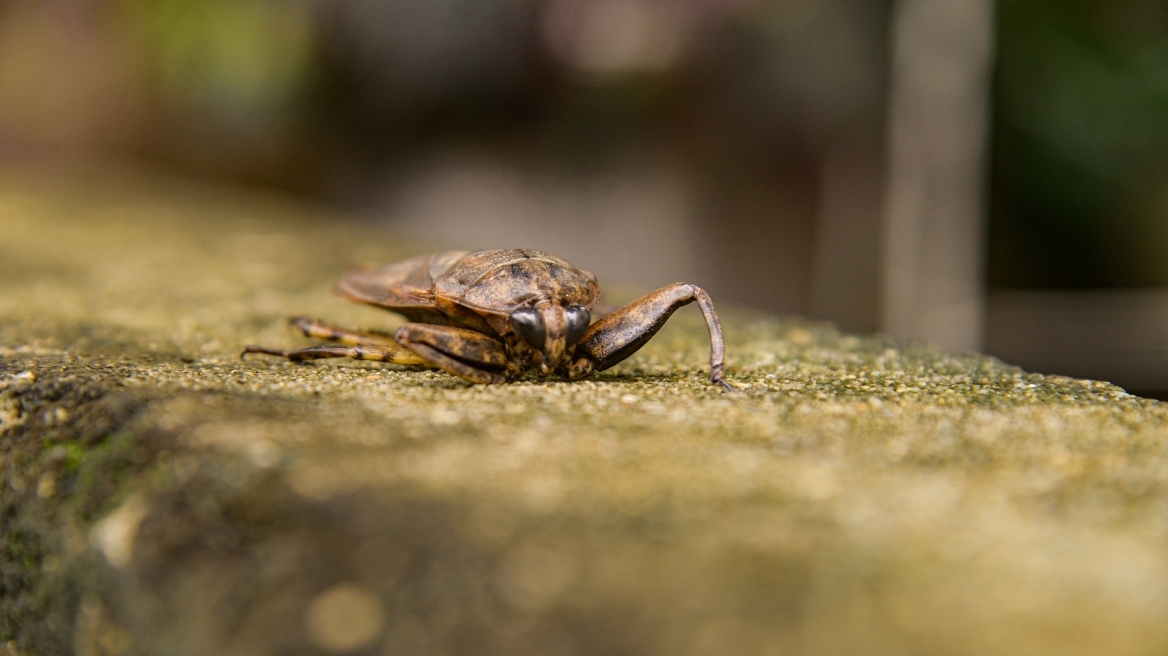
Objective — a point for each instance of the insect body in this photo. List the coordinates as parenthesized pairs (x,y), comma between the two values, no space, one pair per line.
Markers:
(489,316)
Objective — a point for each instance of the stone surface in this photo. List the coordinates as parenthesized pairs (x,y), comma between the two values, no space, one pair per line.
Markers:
(159,496)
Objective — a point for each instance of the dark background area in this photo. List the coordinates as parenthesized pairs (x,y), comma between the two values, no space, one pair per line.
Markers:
(649,141)
(739,144)
(1080,145)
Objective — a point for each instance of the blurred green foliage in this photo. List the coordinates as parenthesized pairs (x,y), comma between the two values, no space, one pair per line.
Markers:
(1080,144)
(248,60)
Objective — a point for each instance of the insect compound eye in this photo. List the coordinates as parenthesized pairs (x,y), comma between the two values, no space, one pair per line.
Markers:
(578,319)
(528,322)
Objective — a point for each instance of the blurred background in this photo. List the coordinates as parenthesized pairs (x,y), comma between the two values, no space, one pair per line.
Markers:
(981,175)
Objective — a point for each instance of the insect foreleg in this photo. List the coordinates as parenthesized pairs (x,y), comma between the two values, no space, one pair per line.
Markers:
(622,333)
(456,350)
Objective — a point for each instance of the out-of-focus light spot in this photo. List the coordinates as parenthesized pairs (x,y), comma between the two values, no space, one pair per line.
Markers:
(615,36)
(114,534)
(345,618)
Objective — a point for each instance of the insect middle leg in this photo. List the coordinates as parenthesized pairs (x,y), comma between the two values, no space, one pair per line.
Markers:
(466,353)
(622,333)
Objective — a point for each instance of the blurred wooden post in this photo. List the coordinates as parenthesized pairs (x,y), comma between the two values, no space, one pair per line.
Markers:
(845,280)
(932,262)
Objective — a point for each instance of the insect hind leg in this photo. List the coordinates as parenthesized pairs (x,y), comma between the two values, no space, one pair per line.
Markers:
(392,354)
(321,330)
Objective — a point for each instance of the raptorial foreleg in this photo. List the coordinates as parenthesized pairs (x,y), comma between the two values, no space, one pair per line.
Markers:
(622,333)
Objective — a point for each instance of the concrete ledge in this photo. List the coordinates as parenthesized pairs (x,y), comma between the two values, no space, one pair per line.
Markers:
(162,497)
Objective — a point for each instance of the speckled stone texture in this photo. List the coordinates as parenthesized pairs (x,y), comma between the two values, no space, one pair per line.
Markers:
(159,496)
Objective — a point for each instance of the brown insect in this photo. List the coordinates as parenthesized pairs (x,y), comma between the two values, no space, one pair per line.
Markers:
(489,316)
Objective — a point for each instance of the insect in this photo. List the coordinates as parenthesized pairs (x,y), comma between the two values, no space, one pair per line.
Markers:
(489,316)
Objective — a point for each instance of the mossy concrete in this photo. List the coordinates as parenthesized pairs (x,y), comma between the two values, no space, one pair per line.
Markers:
(160,496)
